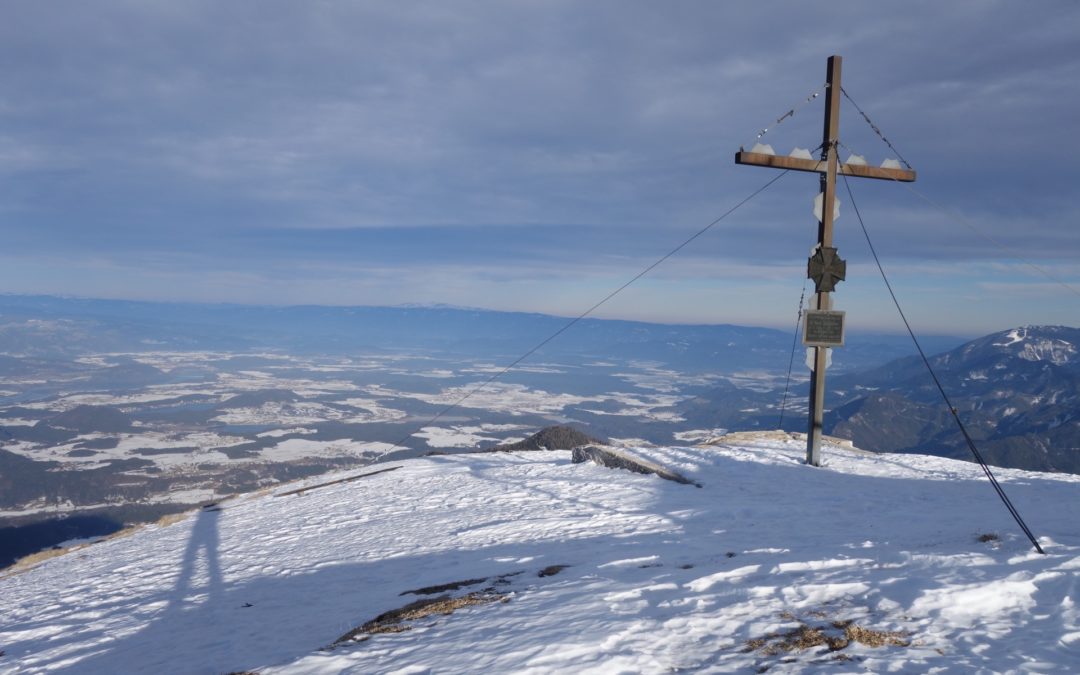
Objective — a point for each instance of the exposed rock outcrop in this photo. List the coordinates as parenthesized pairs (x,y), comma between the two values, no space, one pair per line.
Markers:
(550,438)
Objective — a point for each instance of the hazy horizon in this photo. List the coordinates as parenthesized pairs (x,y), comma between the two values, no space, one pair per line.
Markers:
(600,316)
(534,157)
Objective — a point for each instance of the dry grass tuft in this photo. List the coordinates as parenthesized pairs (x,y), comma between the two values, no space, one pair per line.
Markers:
(988,538)
(798,639)
(125,532)
(395,621)
(834,636)
(172,518)
(26,562)
(876,638)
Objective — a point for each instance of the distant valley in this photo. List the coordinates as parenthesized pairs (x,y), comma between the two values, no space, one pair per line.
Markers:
(131,410)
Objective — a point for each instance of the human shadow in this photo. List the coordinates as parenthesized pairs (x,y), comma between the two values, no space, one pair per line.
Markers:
(204,540)
(273,618)
(196,600)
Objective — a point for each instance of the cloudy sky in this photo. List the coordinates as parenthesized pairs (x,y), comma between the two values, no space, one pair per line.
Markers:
(535,155)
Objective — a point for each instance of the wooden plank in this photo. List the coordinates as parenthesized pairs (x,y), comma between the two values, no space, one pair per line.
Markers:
(818,166)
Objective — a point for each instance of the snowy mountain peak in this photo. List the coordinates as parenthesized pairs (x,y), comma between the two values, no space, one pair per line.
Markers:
(1038,343)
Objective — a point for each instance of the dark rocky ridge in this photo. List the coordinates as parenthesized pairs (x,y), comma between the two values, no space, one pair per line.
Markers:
(550,438)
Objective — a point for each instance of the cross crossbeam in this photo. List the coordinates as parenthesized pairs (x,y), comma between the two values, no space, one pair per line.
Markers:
(819,166)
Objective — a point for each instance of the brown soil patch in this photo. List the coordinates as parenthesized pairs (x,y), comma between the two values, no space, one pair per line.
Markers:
(835,636)
(876,638)
(395,621)
(172,518)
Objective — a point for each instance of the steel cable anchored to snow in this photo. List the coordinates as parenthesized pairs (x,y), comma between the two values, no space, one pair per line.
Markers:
(948,403)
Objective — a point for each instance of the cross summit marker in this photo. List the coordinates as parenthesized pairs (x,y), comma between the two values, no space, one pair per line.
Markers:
(830,267)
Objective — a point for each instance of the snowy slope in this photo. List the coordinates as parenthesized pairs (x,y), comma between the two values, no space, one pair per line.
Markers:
(659,576)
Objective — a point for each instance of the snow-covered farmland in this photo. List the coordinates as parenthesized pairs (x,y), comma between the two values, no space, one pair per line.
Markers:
(465,436)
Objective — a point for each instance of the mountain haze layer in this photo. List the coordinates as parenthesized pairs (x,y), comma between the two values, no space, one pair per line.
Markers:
(51,326)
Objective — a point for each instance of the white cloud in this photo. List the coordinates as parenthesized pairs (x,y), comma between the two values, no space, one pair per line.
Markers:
(203,150)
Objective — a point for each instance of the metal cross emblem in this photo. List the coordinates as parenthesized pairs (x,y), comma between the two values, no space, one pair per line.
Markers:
(826,268)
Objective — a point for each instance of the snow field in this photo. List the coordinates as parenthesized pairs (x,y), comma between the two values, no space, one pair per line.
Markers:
(468,436)
(660,576)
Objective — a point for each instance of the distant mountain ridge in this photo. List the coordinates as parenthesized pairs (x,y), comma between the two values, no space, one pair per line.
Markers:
(50,327)
(1018,391)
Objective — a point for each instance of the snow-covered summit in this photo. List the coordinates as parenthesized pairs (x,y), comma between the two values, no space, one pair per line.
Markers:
(1053,344)
(873,563)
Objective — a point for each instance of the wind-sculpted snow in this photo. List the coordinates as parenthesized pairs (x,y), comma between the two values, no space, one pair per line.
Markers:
(875,563)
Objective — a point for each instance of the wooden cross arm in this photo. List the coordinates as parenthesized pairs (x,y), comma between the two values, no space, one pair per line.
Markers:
(818,166)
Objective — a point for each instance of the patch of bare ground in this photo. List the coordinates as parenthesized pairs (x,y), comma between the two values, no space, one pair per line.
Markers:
(834,635)
(30,561)
(875,638)
(442,588)
(551,570)
(172,518)
(397,620)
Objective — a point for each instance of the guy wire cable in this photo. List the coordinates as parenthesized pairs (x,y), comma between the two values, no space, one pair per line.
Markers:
(791,361)
(476,388)
(952,410)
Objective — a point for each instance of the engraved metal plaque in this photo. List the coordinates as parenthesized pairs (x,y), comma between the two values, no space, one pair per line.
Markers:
(823,328)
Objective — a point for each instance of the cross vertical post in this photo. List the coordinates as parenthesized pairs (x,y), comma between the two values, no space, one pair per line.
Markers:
(824,267)
(823,300)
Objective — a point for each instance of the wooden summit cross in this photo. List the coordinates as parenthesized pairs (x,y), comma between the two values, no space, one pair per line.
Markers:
(825,267)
